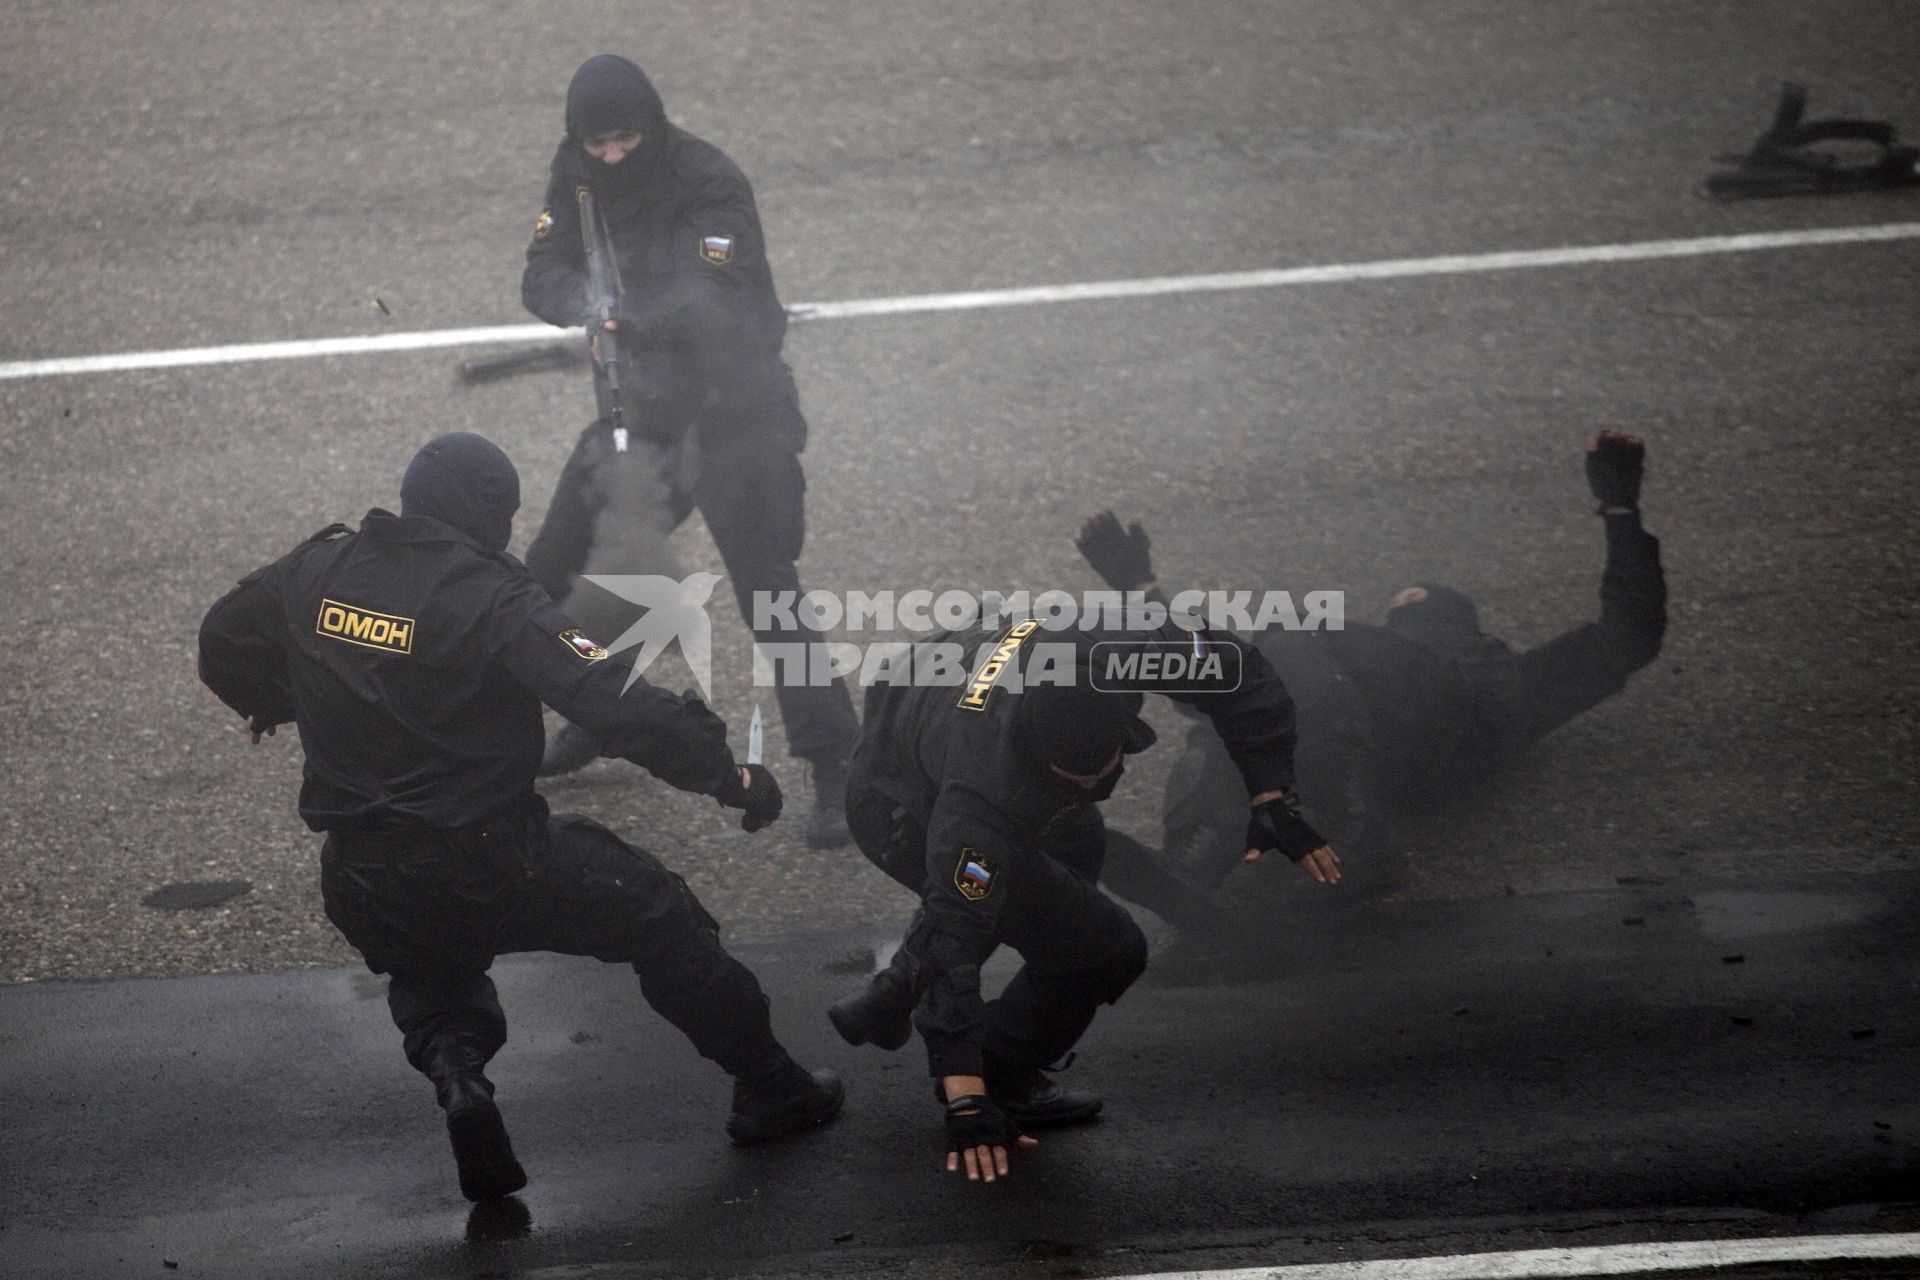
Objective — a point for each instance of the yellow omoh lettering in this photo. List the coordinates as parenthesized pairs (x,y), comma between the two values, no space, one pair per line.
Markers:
(975,698)
(387,632)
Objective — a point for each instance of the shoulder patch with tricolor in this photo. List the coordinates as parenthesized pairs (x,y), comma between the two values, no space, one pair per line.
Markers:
(543,225)
(585,648)
(717,249)
(973,874)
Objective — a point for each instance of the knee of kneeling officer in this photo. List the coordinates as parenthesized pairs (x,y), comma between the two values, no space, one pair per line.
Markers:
(1124,962)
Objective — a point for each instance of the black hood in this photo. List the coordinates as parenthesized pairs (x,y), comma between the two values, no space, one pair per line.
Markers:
(1078,727)
(611,95)
(466,481)
(1446,623)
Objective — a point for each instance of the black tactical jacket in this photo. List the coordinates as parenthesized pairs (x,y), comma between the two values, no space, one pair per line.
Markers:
(415,662)
(1449,709)
(956,757)
(693,261)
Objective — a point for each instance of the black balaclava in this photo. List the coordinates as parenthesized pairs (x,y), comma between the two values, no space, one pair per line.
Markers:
(611,95)
(466,481)
(1445,623)
(1077,727)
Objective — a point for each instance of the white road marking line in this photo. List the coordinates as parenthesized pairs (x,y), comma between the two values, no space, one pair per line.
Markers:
(1099,290)
(291,350)
(1594,1260)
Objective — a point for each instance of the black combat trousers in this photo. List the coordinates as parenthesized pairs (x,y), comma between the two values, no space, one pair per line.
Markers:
(433,908)
(1080,949)
(739,464)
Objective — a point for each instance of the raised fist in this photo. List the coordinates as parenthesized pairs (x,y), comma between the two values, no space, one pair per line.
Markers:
(1118,555)
(1614,464)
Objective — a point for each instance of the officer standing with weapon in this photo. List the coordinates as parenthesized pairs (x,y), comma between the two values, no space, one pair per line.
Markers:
(650,238)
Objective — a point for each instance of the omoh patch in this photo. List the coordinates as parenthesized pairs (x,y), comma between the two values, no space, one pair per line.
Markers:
(574,640)
(717,249)
(973,875)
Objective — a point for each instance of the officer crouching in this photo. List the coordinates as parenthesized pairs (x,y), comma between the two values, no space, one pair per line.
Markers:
(414,656)
(985,801)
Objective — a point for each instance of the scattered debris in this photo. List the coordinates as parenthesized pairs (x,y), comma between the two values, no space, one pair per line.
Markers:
(1733,959)
(1739,1021)
(383,307)
(1861,1033)
(1640,880)
(1634,920)
(1787,160)
(583,1037)
(1462,1009)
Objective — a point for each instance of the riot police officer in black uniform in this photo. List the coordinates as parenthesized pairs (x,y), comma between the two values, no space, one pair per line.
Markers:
(1408,718)
(414,656)
(715,406)
(983,798)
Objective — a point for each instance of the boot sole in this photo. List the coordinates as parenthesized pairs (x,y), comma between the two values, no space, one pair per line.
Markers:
(855,1031)
(839,839)
(488,1169)
(752,1131)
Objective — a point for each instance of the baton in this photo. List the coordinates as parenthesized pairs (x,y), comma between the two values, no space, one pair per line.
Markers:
(531,360)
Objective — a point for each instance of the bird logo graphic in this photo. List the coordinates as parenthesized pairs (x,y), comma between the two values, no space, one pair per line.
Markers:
(674,610)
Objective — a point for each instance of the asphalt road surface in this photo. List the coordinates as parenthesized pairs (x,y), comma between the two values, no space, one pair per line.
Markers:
(194,174)
(1398,1078)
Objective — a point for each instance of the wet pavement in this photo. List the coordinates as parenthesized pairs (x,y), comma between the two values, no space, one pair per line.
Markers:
(1713,1053)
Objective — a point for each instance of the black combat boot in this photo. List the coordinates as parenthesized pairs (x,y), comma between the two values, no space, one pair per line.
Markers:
(827,824)
(569,750)
(880,1013)
(781,1099)
(1034,1100)
(485,1158)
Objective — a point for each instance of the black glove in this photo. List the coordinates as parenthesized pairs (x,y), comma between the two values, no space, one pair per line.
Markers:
(974,1121)
(650,319)
(1613,469)
(1277,824)
(1118,555)
(760,797)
